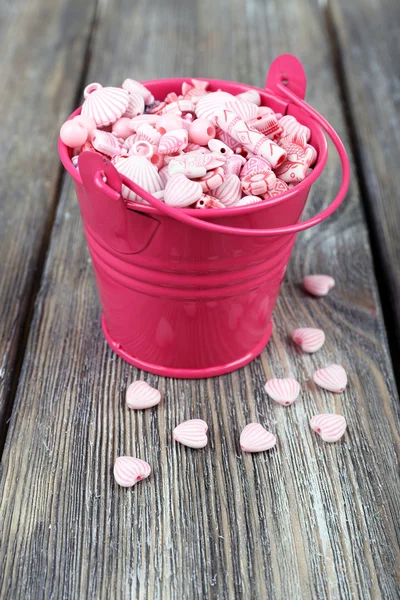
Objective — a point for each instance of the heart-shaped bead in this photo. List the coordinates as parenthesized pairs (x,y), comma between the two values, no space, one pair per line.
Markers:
(229,192)
(129,470)
(181,191)
(106,143)
(255,438)
(173,141)
(192,433)
(330,427)
(141,395)
(318,285)
(283,391)
(135,106)
(309,339)
(332,378)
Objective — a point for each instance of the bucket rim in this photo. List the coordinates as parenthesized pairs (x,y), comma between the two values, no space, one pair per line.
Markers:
(64,153)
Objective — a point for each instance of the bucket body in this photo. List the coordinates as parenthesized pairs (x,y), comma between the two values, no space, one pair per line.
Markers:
(179,301)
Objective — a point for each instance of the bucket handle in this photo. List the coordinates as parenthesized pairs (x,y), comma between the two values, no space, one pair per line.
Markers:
(177,214)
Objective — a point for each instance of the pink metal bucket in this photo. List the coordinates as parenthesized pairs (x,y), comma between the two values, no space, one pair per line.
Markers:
(190,293)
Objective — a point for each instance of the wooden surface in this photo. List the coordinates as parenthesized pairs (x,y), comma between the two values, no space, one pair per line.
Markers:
(40,71)
(306,520)
(368,32)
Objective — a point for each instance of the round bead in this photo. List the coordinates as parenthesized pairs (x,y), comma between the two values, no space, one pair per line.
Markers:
(142,148)
(87,122)
(201,131)
(121,128)
(73,134)
(157,159)
(168,122)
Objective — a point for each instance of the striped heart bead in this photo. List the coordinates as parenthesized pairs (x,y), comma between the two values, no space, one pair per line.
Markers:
(173,141)
(255,438)
(318,285)
(308,338)
(181,191)
(135,106)
(332,378)
(329,426)
(283,391)
(229,192)
(106,143)
(140,170)
(141,395)
(129,470)
(192,433)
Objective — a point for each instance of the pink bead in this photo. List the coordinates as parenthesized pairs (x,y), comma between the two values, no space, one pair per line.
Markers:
(142,148)
(168,123)
(264,110)
(218,146)
(201,131)
(87,122)
(121,128)
(157,159)
(73,134)
(208,202)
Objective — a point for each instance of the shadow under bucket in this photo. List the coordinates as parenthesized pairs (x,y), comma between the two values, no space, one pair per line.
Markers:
(190,293)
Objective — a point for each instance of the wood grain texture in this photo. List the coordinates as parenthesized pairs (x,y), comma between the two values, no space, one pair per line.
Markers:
(306,520)
(42,45)
(368,34)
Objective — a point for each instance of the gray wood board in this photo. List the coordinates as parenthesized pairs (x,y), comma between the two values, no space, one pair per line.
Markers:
(306,520)
(368,34)
(42,46)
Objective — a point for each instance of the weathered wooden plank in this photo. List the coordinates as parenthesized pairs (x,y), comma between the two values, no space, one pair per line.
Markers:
(306,520)
(42,45)
(368,35)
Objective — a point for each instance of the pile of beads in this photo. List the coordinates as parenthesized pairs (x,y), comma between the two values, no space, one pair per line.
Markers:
(200,149)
